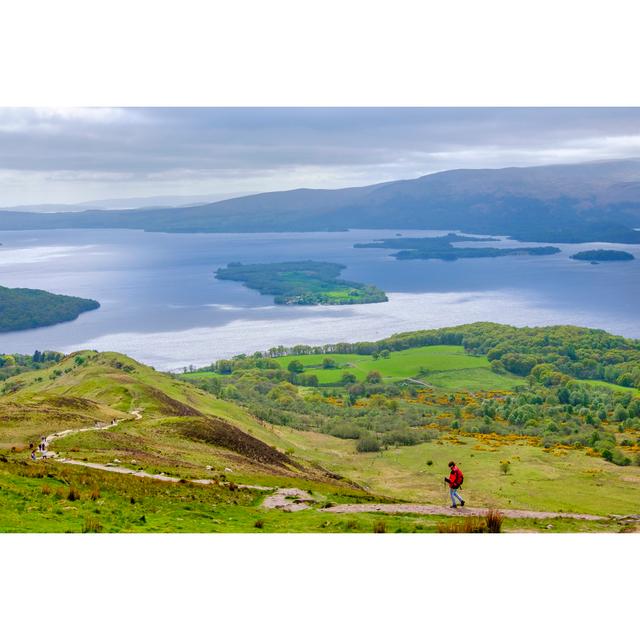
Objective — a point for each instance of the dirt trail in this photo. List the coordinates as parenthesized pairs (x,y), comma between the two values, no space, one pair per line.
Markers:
(431,509)
(421,382)
(99,426)
(112,467)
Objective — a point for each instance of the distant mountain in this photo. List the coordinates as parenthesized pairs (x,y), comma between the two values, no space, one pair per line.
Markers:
(125,203)
(598,201)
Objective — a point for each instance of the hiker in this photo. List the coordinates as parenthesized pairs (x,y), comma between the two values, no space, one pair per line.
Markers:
(33,455)
(454,481)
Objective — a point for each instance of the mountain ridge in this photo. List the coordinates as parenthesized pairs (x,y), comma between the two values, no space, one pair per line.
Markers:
(596,201)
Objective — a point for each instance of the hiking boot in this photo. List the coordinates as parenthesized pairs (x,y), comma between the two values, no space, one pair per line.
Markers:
(453,506)
(462,503)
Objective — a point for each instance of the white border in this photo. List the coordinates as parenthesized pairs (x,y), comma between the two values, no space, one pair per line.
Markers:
(285,52)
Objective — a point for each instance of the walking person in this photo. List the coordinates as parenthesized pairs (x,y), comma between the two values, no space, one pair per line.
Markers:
(455,481)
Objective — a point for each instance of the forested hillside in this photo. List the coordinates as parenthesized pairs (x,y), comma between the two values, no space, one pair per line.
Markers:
(30,308)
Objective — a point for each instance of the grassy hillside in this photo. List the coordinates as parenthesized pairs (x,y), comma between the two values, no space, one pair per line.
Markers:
(182,428)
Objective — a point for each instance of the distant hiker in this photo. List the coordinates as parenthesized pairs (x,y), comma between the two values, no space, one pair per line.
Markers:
(33,455)
(455,481)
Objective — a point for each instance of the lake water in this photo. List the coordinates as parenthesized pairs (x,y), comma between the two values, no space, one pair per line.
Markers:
(161,303)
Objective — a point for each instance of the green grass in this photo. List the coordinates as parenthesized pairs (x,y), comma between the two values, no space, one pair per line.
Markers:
(109,384)
(613,387)
(34,499)
(538,480)
(446,366)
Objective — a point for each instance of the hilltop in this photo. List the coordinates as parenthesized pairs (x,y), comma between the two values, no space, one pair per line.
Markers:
(182,428)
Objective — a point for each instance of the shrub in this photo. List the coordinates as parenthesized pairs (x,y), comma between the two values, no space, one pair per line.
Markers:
(46,489)
(259,524)
(95,493)
(494,520)
(429,463)
(465,525)
(505,465)
(91,525)
(379,526)
(368,444)
(73,494)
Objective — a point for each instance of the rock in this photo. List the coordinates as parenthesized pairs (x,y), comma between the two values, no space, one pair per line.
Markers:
(133,462)
(116,461)
(227,469)
(209,467)
(549,526)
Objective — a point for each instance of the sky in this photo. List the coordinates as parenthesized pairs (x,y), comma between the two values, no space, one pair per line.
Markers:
(71,155)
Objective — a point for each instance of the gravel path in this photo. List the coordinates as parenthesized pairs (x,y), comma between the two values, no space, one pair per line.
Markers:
(430,509)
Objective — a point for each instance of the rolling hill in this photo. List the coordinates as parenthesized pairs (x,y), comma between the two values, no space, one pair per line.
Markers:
(182,429)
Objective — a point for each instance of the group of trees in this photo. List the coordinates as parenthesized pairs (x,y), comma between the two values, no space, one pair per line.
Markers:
(13,364)
(551,406)
(573,351)
(30,308)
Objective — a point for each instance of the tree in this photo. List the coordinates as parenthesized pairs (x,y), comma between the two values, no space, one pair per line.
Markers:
(374,377)
(329,363)
(348,378)
(295,366)
(368,443)
(385,353)
(620,413)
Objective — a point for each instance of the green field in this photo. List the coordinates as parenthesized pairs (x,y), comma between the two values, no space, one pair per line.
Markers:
(446,366)
(442,366)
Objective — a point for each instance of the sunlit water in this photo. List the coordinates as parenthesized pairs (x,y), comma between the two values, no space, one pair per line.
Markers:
(161,303)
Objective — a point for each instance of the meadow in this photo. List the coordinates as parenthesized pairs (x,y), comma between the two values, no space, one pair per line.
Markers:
(445,366)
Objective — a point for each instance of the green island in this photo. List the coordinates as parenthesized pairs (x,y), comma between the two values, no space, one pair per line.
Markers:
(302,283)
(602,255)
(441,248)
(30,308)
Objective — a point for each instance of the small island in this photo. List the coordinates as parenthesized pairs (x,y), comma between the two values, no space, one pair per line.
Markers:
(441,248)
(302,283)
(602,255)
(31,308)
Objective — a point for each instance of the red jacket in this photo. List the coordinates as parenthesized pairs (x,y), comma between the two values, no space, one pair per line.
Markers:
(455,477)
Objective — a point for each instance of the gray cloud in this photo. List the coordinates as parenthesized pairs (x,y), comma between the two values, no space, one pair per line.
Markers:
(71,155)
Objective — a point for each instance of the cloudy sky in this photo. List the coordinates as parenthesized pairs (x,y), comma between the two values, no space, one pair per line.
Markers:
(75,155)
